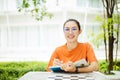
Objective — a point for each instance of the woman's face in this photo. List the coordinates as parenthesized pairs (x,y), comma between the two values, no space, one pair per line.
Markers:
(71,31)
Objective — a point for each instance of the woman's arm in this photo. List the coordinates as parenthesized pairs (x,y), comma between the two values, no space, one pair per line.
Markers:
(92,67)
(70,67)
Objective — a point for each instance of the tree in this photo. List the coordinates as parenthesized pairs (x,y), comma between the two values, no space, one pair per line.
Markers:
(109,31)
(36,7)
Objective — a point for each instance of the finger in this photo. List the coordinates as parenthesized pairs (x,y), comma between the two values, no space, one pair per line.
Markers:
(69,64)
(63,66)
(57,62)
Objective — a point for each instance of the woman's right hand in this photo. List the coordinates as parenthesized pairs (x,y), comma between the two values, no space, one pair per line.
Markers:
(68,67)
(57,62)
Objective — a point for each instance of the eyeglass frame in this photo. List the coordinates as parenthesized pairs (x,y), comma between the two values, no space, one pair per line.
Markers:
(67,30)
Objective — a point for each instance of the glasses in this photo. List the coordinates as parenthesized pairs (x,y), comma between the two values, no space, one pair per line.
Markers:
(67,30)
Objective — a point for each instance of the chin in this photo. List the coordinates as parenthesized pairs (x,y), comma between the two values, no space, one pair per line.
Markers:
(70,41)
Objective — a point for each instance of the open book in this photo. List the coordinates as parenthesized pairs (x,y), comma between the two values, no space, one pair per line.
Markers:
(79,63)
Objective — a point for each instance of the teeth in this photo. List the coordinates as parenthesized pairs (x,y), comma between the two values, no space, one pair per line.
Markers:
(70,37)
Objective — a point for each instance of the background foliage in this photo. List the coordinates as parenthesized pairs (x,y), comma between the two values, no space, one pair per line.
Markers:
(36,8)
(14,70)
(103,66)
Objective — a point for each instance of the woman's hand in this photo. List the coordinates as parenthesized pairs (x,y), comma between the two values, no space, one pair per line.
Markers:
(68,67)
(57,62)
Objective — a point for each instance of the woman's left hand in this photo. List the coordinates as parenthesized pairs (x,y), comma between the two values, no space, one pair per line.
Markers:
(68,67)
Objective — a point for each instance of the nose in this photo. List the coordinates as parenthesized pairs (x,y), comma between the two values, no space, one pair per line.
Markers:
(70,31)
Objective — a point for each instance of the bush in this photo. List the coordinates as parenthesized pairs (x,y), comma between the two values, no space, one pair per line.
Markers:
(14,70)
(103,66)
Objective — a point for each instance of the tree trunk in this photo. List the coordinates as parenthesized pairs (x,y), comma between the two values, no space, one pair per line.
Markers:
(109,6)
(110,42)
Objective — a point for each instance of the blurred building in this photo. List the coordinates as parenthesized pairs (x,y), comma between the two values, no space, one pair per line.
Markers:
(24,38)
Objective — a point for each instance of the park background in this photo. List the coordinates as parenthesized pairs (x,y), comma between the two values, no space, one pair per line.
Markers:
(27,40)
(23,38)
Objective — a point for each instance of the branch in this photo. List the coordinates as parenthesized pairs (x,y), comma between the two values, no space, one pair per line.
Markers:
(107,7)
(103,4)
(112,5)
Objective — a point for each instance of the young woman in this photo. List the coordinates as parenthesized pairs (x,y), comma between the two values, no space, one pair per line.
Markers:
(73,51)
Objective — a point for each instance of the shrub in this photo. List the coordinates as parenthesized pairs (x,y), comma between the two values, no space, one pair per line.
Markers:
(103,66)
(14,70)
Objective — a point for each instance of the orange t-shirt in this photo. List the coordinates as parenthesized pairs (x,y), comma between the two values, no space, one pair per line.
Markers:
(83,50)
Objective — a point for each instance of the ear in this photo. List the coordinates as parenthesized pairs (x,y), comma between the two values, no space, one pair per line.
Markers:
(80,31)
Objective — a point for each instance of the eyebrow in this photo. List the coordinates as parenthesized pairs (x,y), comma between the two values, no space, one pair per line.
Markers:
(72,27)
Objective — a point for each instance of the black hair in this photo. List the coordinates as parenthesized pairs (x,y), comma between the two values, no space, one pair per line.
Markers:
(79,27)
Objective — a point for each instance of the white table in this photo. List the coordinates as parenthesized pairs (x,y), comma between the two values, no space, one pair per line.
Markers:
(62,76)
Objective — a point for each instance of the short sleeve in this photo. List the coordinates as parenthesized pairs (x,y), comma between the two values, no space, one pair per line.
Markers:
(90,53)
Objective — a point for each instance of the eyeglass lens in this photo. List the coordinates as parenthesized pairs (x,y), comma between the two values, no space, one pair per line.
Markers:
(67,30)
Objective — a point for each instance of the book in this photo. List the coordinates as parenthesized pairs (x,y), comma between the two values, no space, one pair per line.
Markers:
(79,63)
(56,69)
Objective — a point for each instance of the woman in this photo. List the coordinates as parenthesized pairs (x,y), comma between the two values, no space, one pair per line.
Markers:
(72,51)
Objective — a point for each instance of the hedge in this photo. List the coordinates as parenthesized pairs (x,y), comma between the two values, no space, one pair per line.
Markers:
(14,70)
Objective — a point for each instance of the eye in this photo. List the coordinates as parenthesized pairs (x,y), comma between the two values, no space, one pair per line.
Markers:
(74,28)
(66,29)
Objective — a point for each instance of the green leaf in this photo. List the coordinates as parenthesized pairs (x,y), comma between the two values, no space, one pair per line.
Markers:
(25,4)
(37,9)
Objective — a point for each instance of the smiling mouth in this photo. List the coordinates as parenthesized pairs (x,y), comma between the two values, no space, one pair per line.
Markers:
(71,37)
